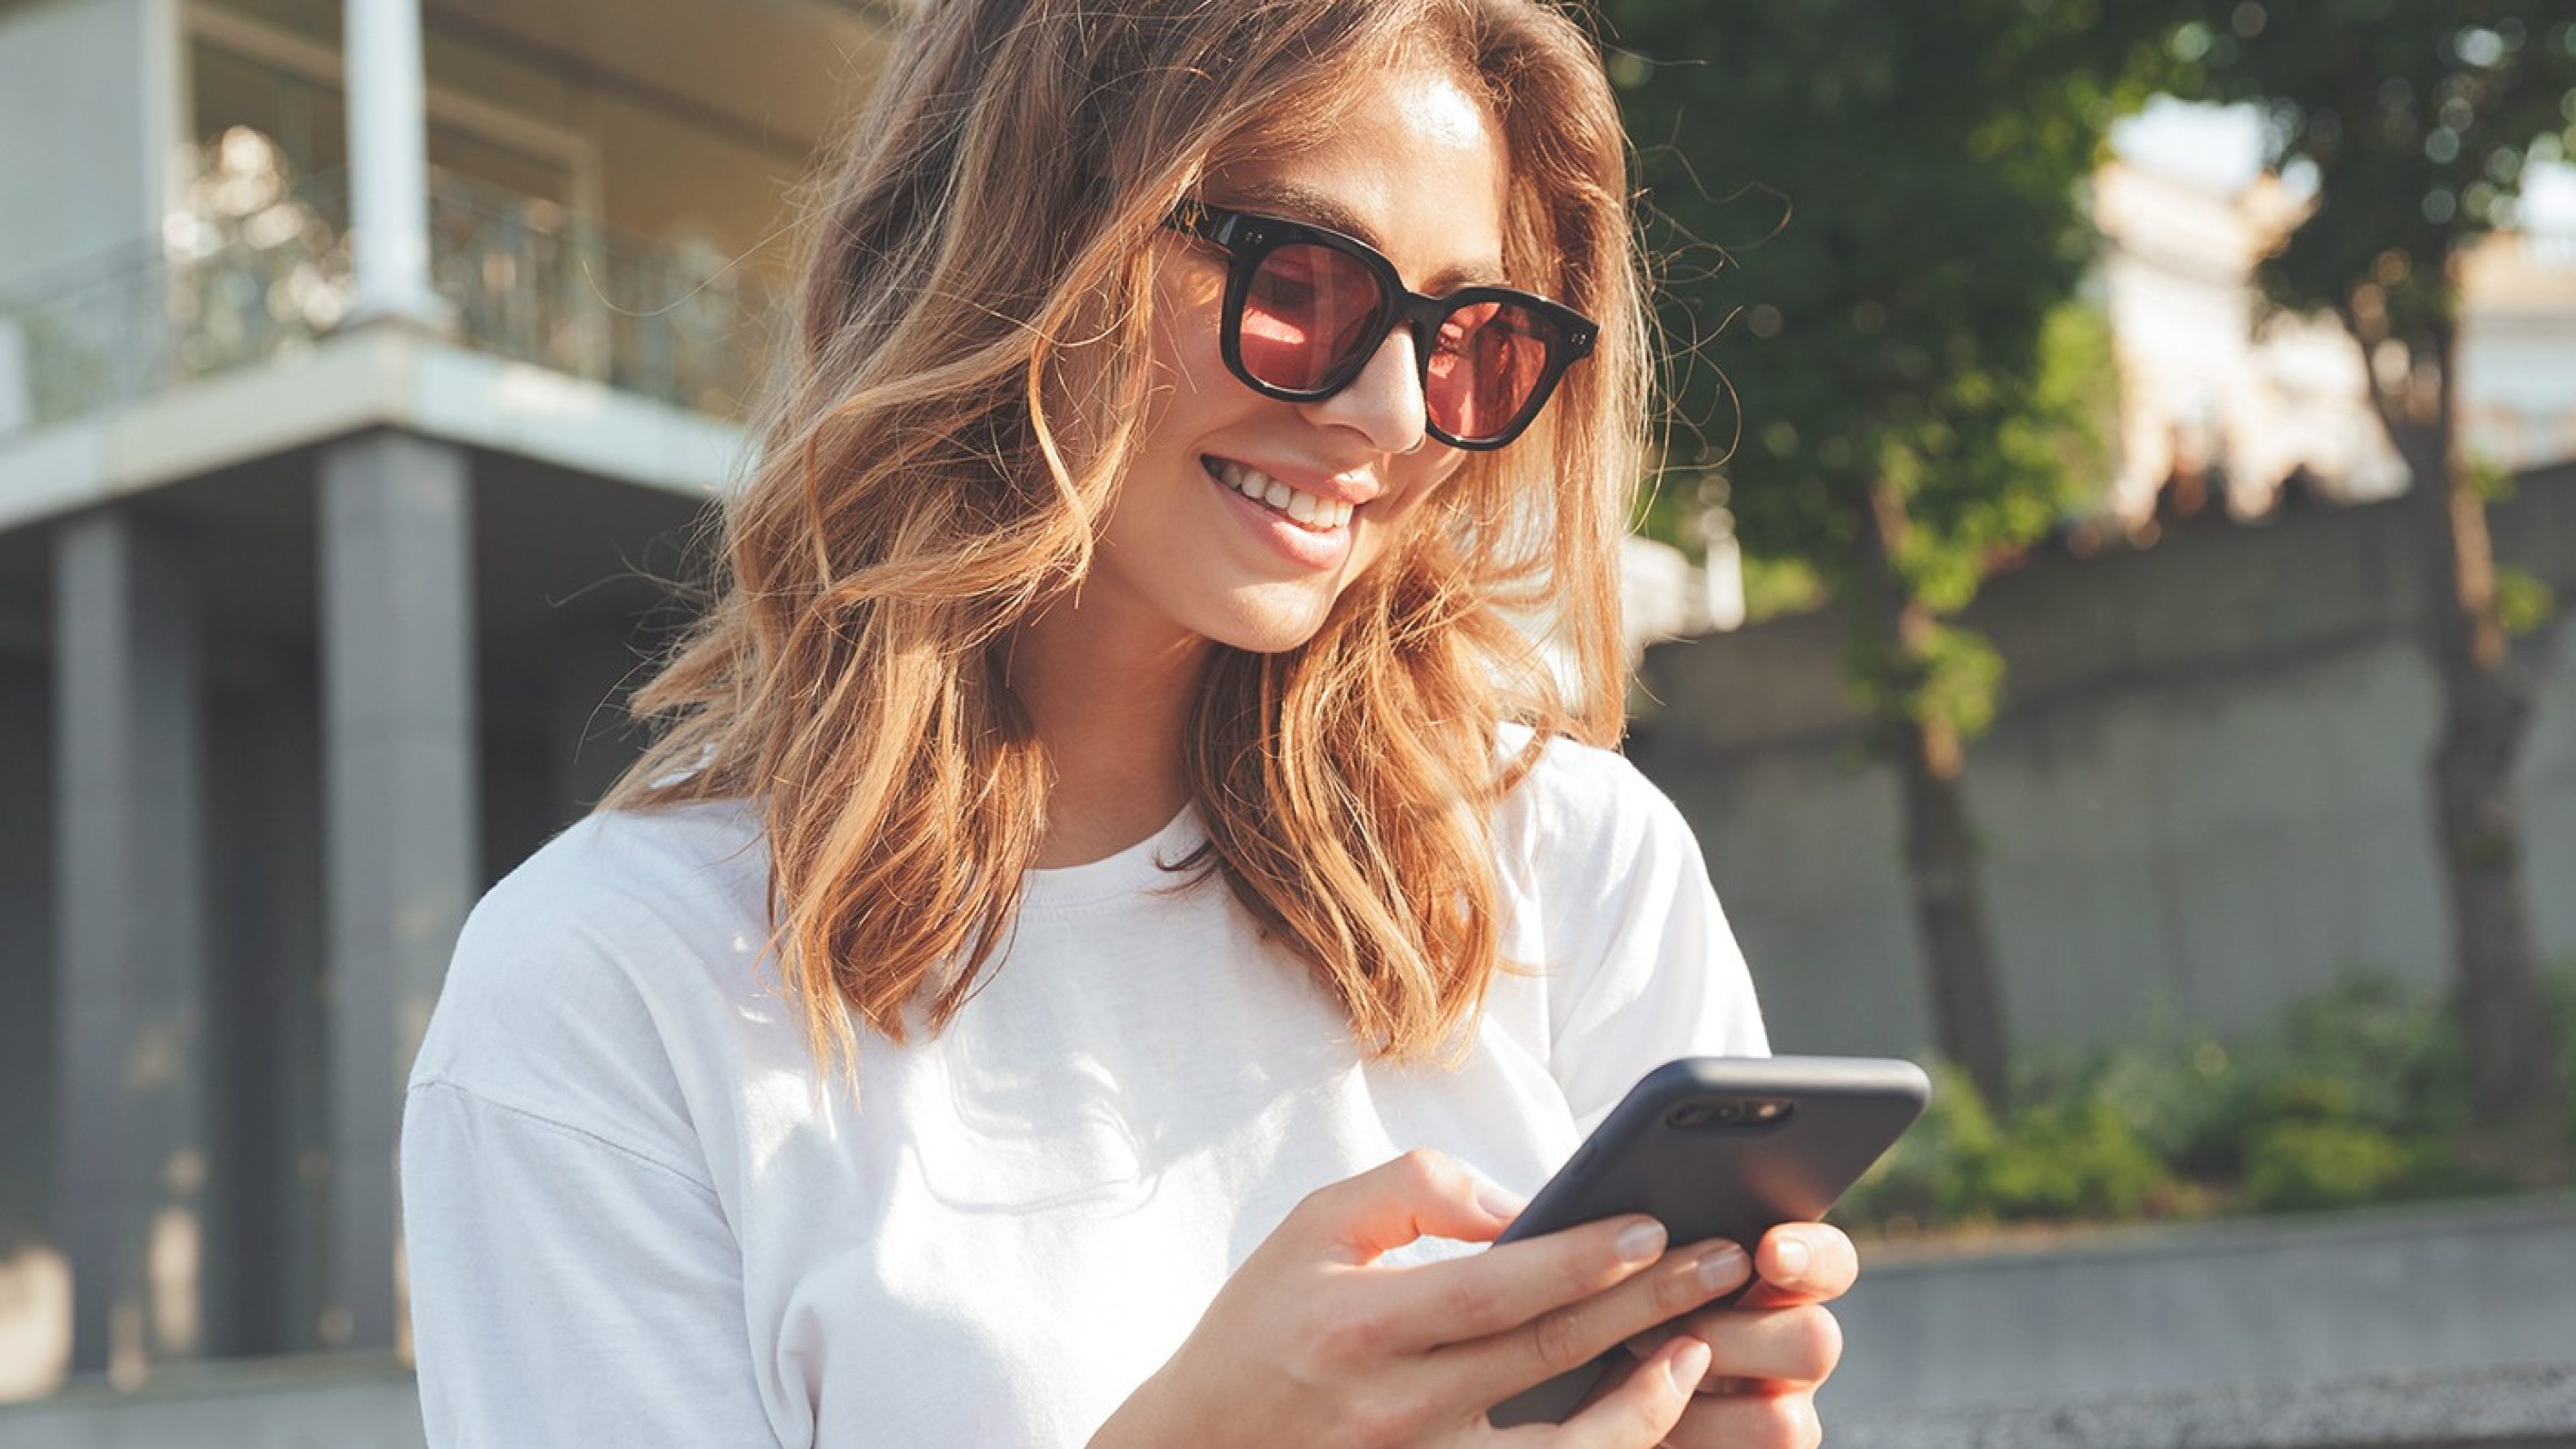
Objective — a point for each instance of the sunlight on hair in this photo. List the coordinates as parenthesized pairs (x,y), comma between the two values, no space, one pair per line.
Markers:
(951,421)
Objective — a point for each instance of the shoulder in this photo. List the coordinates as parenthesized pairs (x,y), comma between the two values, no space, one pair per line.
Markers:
(1612,902)
(629,867)
(621,890)
(578,978)
(1584,807)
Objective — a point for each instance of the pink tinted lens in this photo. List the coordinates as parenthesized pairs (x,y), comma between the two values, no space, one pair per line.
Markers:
(1484,366)
(1308,309)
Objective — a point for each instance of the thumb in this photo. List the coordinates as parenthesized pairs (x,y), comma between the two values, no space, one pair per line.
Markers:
(1423,1194)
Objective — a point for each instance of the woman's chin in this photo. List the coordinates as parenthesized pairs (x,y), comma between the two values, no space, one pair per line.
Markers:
(1270,626)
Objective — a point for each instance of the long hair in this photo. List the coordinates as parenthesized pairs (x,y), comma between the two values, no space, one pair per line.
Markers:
(946,431)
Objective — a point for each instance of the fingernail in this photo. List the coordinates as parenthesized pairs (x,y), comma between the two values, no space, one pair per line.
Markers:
(1496,1201)
(1690,1365)
(1794,1257)
(1641,1242)
(1723,1268)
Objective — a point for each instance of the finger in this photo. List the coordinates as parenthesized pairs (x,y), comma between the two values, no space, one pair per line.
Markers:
(1464,1299)
(1776,1421)
(1421,1194)
(1643,1410)
(1567,1338)
(1764,1351)
(1802,1263)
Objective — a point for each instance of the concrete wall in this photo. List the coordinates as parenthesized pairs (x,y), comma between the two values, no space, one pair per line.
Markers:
(266,1026)
(89,117)
(2408,1329)
(558,602)
(2282,1301)
(2205,794)
(26,950)
(2420,1328)
(344,1403)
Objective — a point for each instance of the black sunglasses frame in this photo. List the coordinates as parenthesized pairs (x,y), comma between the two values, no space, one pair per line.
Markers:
(1250,237)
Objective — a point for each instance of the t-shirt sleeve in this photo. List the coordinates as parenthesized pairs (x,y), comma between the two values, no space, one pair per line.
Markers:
(575,1277)
(1641,964)
(566,1290)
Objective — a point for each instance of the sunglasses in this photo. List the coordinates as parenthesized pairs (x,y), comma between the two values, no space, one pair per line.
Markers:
(1306,308)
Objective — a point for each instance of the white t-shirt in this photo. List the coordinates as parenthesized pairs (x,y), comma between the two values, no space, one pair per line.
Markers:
(632,1220)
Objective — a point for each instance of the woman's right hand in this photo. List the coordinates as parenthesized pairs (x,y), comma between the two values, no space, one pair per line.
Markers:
(1312,1341)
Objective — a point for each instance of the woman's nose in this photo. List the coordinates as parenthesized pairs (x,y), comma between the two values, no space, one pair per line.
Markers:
(1384,403)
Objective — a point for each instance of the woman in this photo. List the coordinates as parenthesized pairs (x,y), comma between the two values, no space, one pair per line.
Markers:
(1117,911)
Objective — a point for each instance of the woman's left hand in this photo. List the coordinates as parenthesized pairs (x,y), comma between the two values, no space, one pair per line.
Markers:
(1771,1348)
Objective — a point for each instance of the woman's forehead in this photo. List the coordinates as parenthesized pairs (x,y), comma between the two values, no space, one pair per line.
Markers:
(1411,163)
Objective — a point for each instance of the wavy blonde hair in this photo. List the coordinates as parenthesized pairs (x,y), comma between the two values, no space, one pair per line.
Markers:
(976,298)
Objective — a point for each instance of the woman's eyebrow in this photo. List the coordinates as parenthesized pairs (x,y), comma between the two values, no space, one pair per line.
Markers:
(1306,204)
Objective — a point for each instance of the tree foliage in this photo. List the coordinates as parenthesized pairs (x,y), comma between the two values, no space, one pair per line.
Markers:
(1874,232)
(2412,122)
(1873,217)
(2412,119)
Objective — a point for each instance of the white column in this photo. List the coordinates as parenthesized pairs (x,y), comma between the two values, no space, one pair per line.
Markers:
(388,163)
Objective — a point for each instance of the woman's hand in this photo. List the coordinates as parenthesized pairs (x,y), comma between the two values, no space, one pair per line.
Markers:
(1769,1349)
(1312,1341)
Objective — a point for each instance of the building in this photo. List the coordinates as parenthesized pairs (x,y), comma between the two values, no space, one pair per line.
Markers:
(2215,383)
(321,570)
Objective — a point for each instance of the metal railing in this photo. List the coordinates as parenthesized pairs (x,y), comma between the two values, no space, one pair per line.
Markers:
(257,270)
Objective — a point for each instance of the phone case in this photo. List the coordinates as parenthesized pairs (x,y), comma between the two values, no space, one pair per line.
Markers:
(1721,1147)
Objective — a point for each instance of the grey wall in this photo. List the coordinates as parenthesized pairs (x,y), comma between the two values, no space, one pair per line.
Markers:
(2269,1301)
(89,114)
(559,611)
(26,950)
(271,1136)
(2205,794)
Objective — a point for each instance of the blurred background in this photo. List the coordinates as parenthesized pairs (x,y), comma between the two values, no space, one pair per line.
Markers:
(2103,608)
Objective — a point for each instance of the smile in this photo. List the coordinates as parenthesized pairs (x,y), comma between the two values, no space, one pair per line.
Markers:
(1321,515)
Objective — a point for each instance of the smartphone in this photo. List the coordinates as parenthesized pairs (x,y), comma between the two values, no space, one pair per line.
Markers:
(1720,1147)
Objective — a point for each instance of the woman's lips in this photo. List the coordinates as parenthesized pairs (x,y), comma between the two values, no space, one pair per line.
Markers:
(1306,510)
(1313,545)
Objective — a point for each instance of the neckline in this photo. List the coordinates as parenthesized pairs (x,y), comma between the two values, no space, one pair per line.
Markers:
(1139,867)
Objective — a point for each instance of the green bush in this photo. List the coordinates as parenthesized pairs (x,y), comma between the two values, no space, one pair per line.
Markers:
(2358,1095)
(2078,1159)
(2299,1165)
(1930,1176)
(2055,1160)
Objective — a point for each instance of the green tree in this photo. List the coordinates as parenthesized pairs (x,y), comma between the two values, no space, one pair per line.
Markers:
(1874,217)
(2414,118)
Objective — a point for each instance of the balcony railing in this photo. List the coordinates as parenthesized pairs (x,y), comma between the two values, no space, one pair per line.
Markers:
(257,270)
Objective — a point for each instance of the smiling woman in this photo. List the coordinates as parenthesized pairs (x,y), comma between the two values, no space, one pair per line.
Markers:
(1116,904)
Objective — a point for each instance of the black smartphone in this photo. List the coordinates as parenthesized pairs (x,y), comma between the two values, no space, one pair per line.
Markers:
(1720,1147)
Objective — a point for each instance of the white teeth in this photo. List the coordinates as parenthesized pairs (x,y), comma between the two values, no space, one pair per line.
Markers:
(1311,510)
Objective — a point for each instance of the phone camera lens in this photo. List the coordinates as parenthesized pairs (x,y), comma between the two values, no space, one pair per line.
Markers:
(1699,1115)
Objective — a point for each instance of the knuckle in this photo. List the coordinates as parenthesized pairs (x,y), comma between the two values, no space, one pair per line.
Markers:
(1472,1298)
(1676,1293)
(1392,1417)
(1422,1170)
(1652,1416)
(1349,1336)
(1787,1422)
(1559,1342)
(1817,1337)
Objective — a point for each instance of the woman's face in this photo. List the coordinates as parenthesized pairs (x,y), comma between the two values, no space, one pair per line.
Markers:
(1416,170)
